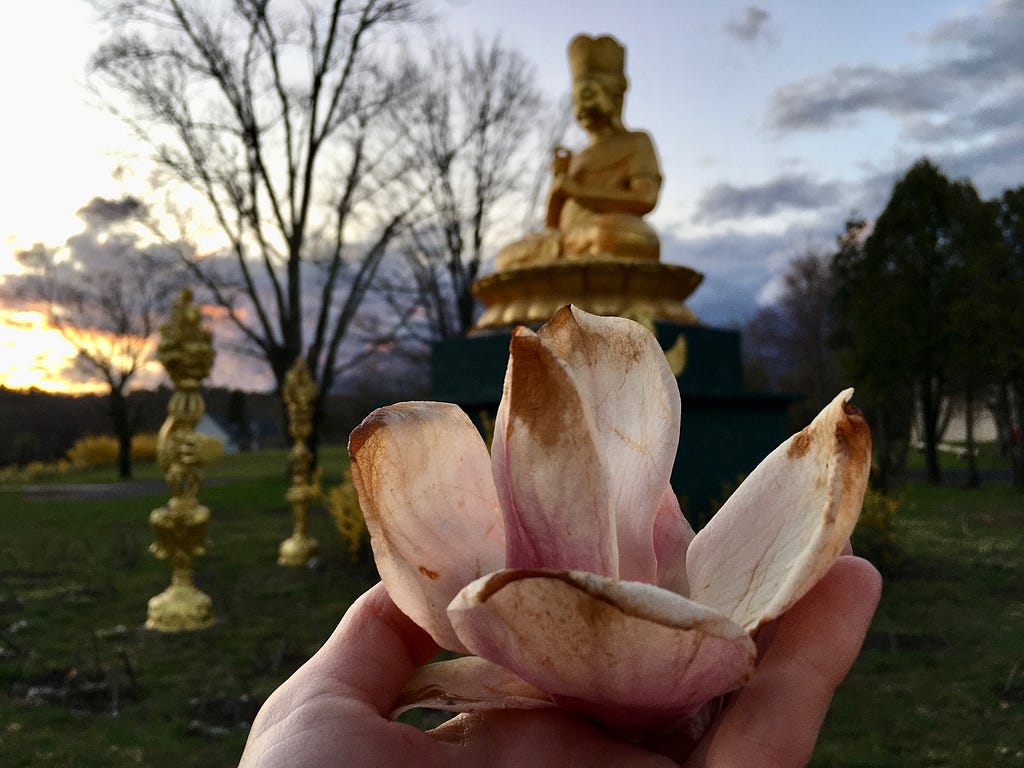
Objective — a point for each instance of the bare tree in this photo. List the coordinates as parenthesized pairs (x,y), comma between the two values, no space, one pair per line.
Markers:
(106,292)
(282,118)
(790,341)
(476,131)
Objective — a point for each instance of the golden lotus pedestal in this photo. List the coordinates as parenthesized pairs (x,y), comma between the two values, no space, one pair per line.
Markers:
(180,530)
(180,608)
(639,290)
(299,548)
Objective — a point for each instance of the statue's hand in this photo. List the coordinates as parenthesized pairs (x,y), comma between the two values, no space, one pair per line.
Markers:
(560,162)
(559,187)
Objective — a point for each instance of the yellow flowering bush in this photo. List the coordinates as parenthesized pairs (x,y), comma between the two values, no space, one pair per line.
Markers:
(93,451)
(343,505)
(101,450)
(874,538)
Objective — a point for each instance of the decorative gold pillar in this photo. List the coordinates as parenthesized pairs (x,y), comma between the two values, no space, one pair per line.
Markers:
(299,393)
(186,352)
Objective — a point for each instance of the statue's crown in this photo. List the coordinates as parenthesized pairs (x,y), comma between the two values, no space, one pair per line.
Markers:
(602,55)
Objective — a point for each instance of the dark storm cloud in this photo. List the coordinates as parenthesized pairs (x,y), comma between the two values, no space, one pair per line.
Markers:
(104,211)
(741,268)
(992,166)
(982,121)
(970,81)
(736,267)
(786,192)
(984,46)
(751,26)
(828,100)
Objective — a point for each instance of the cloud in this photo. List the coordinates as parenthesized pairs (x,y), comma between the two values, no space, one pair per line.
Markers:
(751,26)
(786,192)
(971,80)
(834,98)
(992,165)
(984,120)
(736,266)
(742,270)
(103,211)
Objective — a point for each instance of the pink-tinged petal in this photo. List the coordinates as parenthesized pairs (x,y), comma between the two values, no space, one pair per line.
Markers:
(551,476)
(788,521)
(623,378)
(672,536)
(425,488)
(628,653)
(468,684)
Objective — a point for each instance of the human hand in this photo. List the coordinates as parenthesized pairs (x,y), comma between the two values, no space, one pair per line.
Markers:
(334,710)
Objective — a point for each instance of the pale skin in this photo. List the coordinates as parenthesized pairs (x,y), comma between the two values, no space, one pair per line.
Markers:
(334,710)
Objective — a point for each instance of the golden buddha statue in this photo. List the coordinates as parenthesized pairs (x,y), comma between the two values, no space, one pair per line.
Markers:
(599,195)
(596,250)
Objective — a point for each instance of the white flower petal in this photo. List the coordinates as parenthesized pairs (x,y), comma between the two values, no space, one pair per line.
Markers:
(788,521)
(425,489)
(468,684)
(672,537)
(623,379)
(627,653)
(551,476)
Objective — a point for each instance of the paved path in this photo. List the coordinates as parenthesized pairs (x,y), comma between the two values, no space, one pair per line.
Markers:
(125,489)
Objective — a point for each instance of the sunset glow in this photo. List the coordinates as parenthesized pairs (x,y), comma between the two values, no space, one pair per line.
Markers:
(773,126)
(35,354)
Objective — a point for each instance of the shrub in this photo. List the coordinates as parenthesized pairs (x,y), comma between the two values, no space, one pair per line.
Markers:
(874,538)
(144,446)
(343,504)
(33,471)
(101,450)
(93,451)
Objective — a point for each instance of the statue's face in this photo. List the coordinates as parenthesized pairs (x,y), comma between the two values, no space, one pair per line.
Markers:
(593,103)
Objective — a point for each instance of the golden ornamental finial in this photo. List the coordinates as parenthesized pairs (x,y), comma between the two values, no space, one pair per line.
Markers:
(299,396)
(186,347)
(186,351)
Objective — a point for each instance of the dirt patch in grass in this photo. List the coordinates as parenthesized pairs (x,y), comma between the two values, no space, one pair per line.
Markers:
(82,691)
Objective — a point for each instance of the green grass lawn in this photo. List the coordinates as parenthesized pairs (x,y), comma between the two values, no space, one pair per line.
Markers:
(75,577)
(940,683)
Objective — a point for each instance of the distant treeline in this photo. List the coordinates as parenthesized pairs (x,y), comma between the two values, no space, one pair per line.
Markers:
(42,426)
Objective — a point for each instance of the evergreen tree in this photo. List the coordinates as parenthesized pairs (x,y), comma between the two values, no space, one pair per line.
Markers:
(898,297)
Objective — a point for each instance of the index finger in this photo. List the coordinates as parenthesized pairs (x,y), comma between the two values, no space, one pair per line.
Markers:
(374,651)
(778,714)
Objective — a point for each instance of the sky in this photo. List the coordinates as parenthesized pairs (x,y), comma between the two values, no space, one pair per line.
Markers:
(774,123)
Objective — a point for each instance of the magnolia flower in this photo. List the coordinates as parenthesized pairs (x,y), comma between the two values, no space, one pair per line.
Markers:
(561,564)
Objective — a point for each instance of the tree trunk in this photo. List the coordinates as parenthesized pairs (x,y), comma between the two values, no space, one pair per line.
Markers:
(1017,436)
(973,480)
(930,428)
(123,432)
(881,470)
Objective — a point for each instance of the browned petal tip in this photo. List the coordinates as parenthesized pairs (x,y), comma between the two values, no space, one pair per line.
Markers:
(853,436)
(852,410)
(366,429)
(562,317)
